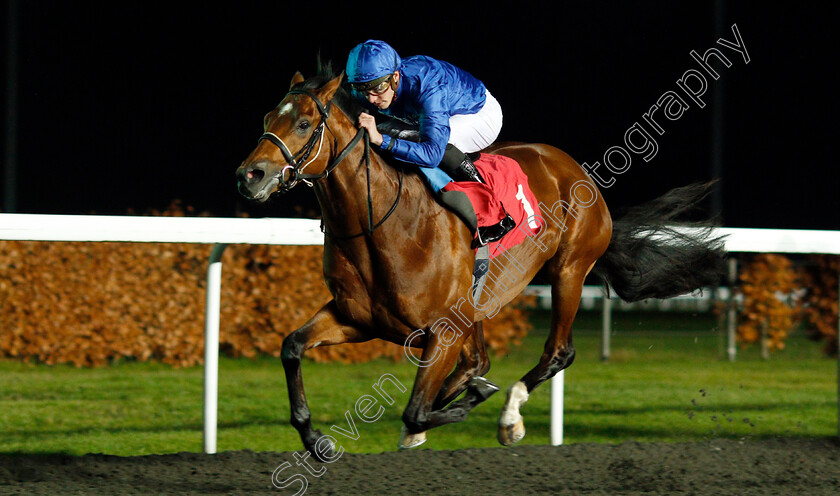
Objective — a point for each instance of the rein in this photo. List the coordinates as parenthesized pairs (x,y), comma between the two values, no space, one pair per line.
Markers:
(296,174)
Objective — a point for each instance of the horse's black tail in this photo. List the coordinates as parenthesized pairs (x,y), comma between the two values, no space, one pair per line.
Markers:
(650,256)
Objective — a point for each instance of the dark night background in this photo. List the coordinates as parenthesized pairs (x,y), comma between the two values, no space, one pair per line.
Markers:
(130,105)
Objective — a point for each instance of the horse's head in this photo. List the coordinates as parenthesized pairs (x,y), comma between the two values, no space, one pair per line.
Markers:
(293,146)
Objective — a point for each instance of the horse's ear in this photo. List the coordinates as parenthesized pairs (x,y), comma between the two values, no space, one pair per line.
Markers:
(329,89)
(296,79)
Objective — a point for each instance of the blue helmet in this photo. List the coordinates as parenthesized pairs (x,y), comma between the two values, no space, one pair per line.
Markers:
(371,61)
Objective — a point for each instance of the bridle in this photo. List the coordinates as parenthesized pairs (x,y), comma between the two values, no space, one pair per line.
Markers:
(297,162)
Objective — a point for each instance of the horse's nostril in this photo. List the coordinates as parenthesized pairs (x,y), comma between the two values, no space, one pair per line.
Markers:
(254,175)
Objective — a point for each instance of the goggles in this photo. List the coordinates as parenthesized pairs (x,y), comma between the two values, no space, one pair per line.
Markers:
(375,87)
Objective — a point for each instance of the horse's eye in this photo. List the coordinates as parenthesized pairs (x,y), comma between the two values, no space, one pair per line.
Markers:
(304,125)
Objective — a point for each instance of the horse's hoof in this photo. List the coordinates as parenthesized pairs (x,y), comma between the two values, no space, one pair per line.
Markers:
(482,387)
(323,449)
(408,441)
(511,434)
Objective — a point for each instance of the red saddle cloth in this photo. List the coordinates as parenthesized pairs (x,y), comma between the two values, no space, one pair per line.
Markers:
(506,191)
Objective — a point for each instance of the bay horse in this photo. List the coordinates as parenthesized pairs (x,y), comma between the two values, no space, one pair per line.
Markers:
(398,264)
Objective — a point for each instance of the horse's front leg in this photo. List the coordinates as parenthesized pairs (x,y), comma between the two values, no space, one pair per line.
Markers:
(326,328)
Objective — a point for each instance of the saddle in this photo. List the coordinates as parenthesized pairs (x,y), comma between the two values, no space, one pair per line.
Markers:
(506,193)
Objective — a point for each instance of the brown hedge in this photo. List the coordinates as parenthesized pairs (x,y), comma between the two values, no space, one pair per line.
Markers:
(813,302)
(820,306)
(92,303)
(764,316)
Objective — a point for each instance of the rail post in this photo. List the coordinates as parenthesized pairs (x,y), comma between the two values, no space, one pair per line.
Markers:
(211,346)
(606,327)
(557,388)
(732,311)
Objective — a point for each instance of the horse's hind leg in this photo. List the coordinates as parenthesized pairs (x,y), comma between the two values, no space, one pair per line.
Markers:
(327,327)
(566,287)
(421,415)
(473,363)
(439,357)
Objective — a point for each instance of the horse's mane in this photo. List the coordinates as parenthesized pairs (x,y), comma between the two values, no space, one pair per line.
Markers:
(343,99)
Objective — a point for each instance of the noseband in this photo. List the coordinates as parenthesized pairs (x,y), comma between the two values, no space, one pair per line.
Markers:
(295,166)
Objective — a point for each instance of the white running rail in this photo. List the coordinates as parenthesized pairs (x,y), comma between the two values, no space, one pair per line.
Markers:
(224,231)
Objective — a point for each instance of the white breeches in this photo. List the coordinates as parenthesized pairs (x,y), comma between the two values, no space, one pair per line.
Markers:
(474,132)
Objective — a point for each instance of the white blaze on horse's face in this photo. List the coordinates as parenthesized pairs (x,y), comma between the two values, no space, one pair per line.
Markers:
(284,109)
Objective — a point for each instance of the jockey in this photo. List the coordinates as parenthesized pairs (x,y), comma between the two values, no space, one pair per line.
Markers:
(455,113)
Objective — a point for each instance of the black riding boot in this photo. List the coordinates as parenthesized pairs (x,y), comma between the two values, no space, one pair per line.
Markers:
(460,167)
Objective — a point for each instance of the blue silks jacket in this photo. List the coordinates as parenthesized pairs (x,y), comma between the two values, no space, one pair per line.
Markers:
(430,91)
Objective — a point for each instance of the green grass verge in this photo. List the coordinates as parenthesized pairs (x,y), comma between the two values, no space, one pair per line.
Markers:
(667,380)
